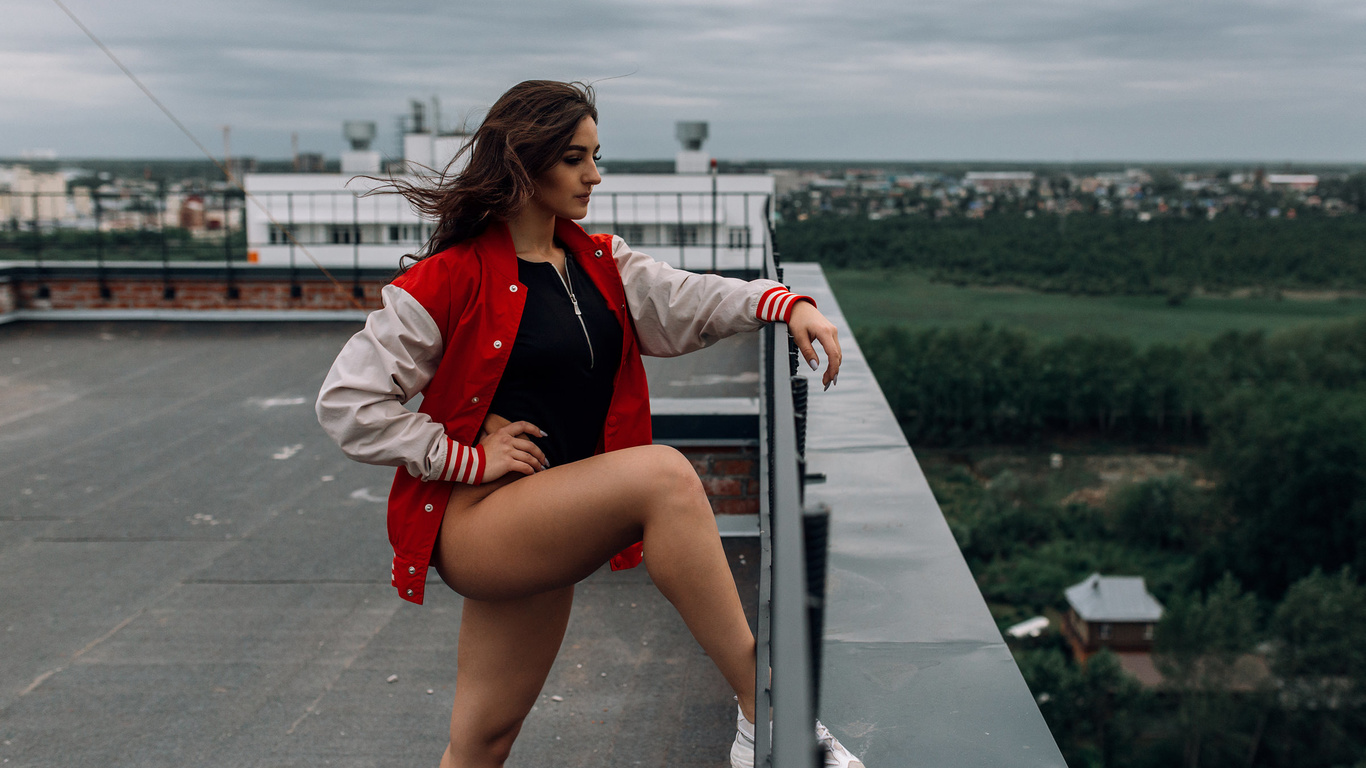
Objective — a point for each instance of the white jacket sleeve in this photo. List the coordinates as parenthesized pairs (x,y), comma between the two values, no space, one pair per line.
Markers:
(677,311)
(361,404)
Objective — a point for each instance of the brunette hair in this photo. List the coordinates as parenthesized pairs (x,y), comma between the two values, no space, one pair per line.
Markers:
(523,135)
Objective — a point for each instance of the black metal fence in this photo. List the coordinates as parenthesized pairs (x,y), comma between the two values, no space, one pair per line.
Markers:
(140,225)
(793,558)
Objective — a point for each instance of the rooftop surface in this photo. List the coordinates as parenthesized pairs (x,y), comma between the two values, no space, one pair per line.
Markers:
(192,574)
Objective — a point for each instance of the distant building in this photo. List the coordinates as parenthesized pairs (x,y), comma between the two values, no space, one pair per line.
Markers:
(1300,182)
(26,196)
(310,162)
(691,219)
(1114,612)
(999,181)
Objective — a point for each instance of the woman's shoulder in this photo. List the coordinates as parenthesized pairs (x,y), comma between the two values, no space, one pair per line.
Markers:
(443,281)
(460,261)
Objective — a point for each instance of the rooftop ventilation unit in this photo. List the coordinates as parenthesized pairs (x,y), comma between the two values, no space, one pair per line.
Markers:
(360,133)
(361,159)
(691,158)
(691,133)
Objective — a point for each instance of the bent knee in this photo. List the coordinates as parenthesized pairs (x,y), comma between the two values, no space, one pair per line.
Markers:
(670,469)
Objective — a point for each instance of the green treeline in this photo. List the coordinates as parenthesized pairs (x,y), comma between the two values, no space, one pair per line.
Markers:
(1095,254)
(954,387)
(174,244)
(1263,642)
(1290,498)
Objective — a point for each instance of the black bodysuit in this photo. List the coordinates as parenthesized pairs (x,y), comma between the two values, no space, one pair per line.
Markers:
(560,372)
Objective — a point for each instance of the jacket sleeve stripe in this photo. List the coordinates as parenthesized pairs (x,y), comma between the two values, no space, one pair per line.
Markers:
(479,463)
(446,467)
(766,302)
(776,304)
(785,306)
(462,465)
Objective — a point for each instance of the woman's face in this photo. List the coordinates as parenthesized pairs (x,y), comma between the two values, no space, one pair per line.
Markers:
(564,189)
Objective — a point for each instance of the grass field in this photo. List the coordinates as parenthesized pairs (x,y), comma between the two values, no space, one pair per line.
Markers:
(872,298)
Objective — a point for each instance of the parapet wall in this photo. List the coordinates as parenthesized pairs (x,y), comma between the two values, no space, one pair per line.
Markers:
(135,290)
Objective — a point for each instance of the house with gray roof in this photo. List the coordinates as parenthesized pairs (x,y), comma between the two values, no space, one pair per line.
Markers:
(1115,612)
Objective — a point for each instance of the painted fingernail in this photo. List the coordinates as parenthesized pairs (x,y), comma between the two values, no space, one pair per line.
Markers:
(545,466)
(812,363)
(827,387)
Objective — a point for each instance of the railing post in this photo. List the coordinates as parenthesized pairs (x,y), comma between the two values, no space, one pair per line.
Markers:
(167,290)
(747,235)
(295,289)
(233,292)
(713,214)
(44,292)
(763,684)
(356,290)
(793,626)
(105,293)
(678,234)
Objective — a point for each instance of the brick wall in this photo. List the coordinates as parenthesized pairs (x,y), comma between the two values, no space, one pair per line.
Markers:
(7,303)
(143,293)
(731,476)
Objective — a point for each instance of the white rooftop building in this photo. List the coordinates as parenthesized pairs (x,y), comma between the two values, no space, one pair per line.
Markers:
(695,218)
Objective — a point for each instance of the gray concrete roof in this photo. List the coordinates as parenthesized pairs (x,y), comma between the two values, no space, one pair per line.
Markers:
(1113,598)
(191,574)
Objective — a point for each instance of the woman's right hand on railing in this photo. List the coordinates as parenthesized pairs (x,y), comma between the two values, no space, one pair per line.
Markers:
(506,449)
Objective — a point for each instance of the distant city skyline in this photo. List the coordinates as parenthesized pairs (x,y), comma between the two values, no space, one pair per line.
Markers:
(1041,80)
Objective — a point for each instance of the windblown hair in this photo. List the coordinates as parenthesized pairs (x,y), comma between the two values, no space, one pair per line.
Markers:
(523,135)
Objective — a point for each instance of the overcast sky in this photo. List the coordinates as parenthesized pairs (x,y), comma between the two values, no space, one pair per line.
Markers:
(1068,80)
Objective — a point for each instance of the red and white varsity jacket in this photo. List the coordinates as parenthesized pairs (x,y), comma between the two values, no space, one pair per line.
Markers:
(446,330)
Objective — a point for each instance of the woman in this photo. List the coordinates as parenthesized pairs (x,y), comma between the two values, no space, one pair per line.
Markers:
(529,463)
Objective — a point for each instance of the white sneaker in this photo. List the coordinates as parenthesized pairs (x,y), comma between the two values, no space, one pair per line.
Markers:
(836,756)
(742,750)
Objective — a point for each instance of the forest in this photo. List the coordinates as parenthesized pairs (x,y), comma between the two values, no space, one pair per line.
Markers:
(1256,550)
(1094,254)
(1263,562)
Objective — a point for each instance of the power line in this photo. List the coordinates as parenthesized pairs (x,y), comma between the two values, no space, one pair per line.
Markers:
(227,173)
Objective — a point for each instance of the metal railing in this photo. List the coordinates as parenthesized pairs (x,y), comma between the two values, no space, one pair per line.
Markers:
(719,230)
(138,225)
(792,561)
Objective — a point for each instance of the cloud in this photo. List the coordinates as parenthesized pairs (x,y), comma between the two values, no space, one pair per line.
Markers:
(813,78)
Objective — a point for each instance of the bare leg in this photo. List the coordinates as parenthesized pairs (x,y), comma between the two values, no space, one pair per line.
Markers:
(506,650)
(552,529)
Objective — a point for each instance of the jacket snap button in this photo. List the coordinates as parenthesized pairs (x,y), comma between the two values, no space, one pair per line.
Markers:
(429,507)
(598,254)
(474,399)
(497,345)
(513,287)
(412,570)
(410,593)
